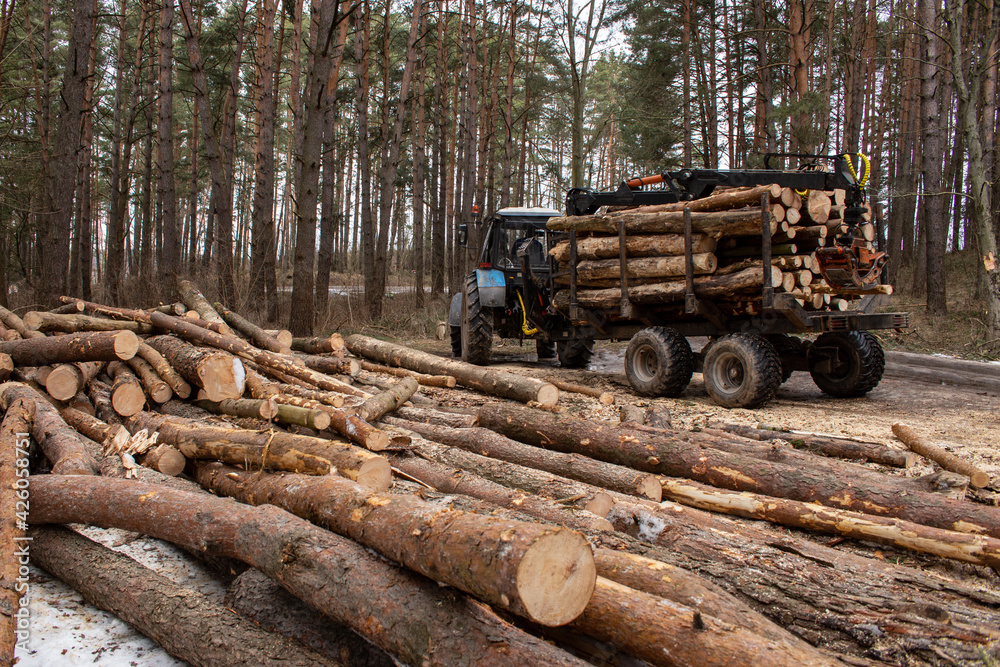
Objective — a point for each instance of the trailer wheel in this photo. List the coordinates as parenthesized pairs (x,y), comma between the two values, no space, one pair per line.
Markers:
(477,326)
(456,342)
(855,363)
(575,353)
(659,362)
(742,370)
(545,349)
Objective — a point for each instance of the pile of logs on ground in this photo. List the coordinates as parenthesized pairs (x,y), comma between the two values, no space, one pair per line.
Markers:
(369,522)
(726,250)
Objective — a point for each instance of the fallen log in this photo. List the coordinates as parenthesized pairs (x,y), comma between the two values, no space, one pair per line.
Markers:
(409,616)
(547,485)
(198,631)
(14,506)
(164,459)
(715,223)
(458,480)
(672,456)
(573,466)
(656,245)
(662,632)
(196,301)
(263,601)
(497,383)
(260,338)
(81,402)
(65,449)
(221,375)
(544,574)
(966,547)
(439,417)
(605,398)
(154,386)
(704,286)
(17,324)
(163,368)
(111,437)
(49,322)
(331,365)
(422,378)
(127,396)
(332,344)
(283,336)
(352,462)
(943,458)
(252,408)
(6,366)
(822,444)
(215,443)
(387,401)
(65,380)
(92,346)
(315,418)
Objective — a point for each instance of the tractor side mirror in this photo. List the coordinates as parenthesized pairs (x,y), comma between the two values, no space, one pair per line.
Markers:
(462,236)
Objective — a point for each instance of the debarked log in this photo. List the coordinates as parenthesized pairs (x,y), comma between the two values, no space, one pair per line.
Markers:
(546,575)
(409,616)
(199,631)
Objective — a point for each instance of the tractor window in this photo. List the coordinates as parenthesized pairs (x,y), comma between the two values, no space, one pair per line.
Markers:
(507,238)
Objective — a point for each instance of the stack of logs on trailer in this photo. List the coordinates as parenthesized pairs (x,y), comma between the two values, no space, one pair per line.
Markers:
(344,490)
(726,250)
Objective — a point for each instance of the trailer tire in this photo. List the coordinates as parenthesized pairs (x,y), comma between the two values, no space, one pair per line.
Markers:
(477,326)
(858,368)
(545,349)
(575,352)
(742,370)
(659,362)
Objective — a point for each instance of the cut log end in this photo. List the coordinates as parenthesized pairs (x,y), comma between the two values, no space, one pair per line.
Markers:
(548,394)
(600,504)
(376,441)
(556,578)
(979,479)
(376,474)
(322,420)
(126,344)
(62,383)
(607,398)
(128,399)
(648,486)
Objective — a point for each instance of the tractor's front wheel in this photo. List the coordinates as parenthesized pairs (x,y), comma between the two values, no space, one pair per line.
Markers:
(575,353)
(477,326)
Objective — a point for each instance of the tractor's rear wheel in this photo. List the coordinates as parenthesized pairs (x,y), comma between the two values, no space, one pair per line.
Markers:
(846,364)
(477,326)
(456,342)
(545,349)
(658,362)
(741,370)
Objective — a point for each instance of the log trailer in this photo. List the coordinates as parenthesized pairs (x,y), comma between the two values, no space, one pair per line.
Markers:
(520,291)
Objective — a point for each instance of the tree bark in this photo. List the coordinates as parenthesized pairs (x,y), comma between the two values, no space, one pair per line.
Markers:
(67,451)
(497,383)
(726,285)
(539,573)
(262,600)
(447,381)
(179,619)
(668,455)
(196,301)
(219,374)
(14,504)
(604,397)
(334,365)
(943,458)
(351,462)
(332,344)
(606,247)
(412,618)
(384,402)
(222,444)
(164,459)
(49,322)
(644,267)
(712,223)
(112,437)
(164,370)
(965,547)
(99,346)
(170,250)
(251,408)
(244,326)
(154,386)
(573,466)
